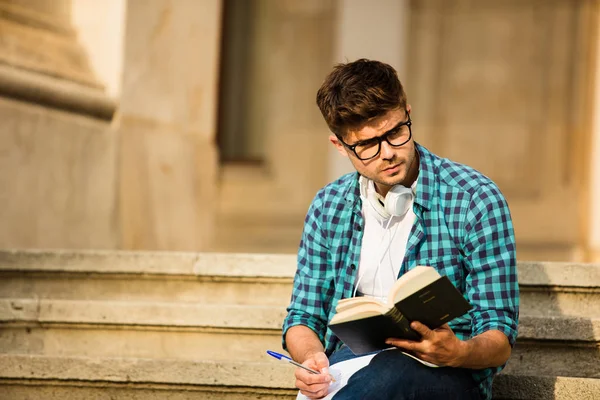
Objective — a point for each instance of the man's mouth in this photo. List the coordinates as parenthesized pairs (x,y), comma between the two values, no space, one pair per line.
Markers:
(392,169)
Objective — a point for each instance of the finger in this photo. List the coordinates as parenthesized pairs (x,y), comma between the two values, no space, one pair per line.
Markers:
(312,389)
(311,379)
(422,329)
(403,344)
(444,327)
(315,395)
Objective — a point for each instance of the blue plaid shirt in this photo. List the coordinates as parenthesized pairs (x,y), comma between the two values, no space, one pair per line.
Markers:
(462,228)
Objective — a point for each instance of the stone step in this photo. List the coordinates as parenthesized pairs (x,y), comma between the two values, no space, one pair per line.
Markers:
(46,312)
(209,278)
(26,377)
(51,377)
(213,278)
(209,332)
(139,329)
(528,387)
(554,289)
(555,359)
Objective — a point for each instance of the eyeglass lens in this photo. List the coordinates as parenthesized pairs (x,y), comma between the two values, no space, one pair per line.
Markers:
(396,138)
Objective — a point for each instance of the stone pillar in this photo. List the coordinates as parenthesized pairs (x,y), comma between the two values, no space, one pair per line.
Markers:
(594,193)
(298,55)
(167,124)
(56,145)
(382,36)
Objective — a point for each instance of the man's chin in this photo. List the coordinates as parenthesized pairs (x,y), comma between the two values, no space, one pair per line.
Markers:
(392,181)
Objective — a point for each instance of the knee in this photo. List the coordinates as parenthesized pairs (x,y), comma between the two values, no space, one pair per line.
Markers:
(400,373)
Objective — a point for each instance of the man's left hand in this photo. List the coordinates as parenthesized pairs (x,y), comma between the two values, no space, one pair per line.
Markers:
(438,346)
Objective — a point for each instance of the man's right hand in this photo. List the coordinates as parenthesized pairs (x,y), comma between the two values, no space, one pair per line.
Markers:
(311,385)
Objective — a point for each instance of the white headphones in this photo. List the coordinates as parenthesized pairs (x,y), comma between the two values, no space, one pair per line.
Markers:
(395,204)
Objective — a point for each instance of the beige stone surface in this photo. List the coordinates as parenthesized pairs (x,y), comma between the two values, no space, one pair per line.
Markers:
(142,313)
(149,263)
(564,328)
(171,63)
(38,36)
(167,184)
(131,341)
(266,374)
(48,91)
(560,301)
(167,124)
(216,376)
(58,179)
(208,278)
(462,57)
(27,390)
(205,290)
(559,274)
(289,52)
(515,387)
(44,338)
(547,358)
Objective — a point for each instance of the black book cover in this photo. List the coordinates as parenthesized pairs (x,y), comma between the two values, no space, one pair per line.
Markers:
(434,305)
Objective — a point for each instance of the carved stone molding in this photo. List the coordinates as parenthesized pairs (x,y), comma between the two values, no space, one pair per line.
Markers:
(56,93)
(42,62)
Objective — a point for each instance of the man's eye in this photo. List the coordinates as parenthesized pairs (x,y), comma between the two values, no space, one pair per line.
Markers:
(367,143)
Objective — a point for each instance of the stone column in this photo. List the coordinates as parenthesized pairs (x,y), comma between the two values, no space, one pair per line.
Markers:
(167,124)
(594,193)
(56,144)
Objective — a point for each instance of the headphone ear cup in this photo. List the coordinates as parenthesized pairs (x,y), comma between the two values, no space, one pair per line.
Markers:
(379,210)
(398,200)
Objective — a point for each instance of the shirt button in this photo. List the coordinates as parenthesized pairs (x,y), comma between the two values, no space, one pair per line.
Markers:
(358,227)
(353,266)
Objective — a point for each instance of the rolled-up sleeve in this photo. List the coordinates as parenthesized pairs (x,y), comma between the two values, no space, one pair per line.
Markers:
(313,281)
(490,258)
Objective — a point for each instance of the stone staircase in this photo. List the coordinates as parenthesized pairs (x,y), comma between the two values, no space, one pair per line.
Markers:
(106,325)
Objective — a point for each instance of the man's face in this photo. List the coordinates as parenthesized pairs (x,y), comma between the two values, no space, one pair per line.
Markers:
(393,165)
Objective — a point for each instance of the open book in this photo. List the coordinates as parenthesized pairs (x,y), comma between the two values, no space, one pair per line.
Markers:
(421,294)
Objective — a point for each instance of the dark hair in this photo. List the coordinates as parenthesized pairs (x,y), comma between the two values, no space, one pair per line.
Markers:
(354,93)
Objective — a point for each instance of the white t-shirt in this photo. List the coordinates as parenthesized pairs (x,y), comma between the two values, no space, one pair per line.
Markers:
(383,249)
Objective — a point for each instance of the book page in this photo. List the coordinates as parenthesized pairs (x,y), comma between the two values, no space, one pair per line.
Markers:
(359,312)
(346,304)
(342,372)
(411,282)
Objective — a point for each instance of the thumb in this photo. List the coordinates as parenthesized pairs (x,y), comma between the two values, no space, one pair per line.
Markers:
(422,329)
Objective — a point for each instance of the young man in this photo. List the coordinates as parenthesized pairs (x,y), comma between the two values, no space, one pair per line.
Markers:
(404,207)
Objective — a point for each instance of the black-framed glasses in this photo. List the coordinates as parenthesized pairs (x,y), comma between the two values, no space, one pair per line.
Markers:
(396,137)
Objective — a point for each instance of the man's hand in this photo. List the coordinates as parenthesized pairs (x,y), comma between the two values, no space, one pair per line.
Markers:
(311,385)
(438,346)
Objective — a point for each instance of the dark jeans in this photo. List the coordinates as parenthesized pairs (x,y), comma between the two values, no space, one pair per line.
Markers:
(393,376)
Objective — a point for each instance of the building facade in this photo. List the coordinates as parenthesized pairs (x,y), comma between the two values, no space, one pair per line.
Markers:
(192,126)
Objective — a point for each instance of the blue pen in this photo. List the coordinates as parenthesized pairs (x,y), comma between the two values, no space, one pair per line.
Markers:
(285,358)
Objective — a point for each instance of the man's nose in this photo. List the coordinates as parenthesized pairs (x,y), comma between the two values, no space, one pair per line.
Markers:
(387,151)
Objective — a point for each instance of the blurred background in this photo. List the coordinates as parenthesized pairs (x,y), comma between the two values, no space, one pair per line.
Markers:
(191,125)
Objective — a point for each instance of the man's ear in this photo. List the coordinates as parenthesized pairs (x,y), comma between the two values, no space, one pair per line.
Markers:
(338,145)
(408,108)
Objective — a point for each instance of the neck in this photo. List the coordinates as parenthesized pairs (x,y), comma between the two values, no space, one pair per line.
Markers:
(411,177)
